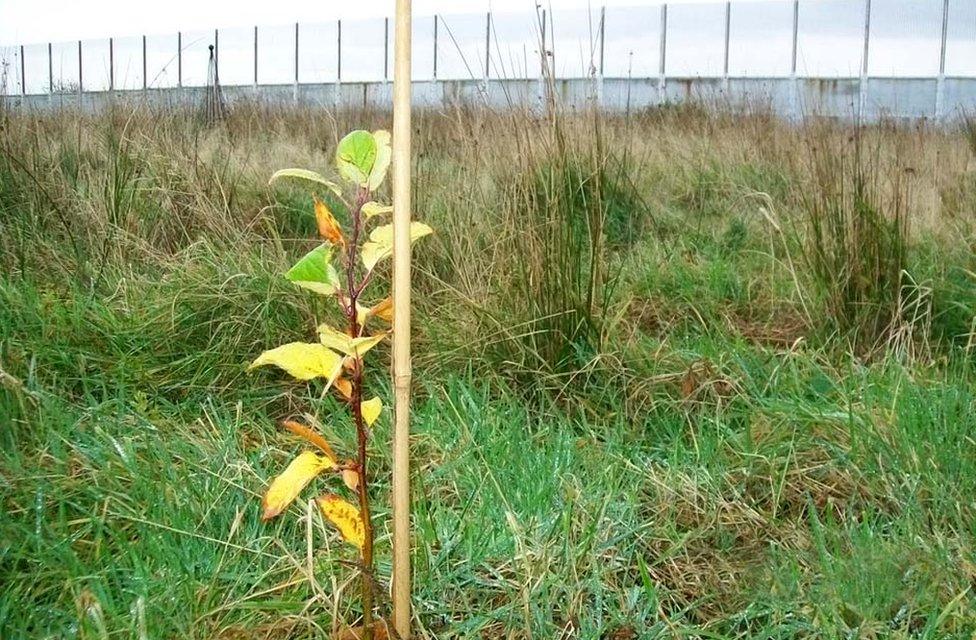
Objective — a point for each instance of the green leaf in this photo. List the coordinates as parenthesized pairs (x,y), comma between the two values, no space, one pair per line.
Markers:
(355,157)
(383,156)
(305,175)
(315,272)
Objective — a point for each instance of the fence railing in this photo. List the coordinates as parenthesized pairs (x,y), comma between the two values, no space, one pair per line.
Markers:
(792,39)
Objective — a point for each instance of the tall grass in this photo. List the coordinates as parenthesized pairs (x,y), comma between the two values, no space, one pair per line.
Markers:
(638,412)
(857,212)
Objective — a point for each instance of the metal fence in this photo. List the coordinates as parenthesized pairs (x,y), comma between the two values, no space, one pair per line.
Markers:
(909,57)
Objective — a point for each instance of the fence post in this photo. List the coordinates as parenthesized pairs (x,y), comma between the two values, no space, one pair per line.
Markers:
(386,49)
(487,53)
(111,64)
(435,46)
(863,98)
(50,71)
(940,82)
(728,34)
(543,63)
(603,34)
(255,58)
(338,84)
(630,79)
(23,77)
(794,82)
(662,78)
(294,90)
(81,89)
(145,80)
(179,60)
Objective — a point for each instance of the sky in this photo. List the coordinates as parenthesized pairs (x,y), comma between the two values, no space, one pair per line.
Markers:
(905,39)
(28,21)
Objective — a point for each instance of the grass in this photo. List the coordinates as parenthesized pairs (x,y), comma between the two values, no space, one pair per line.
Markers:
(639,413)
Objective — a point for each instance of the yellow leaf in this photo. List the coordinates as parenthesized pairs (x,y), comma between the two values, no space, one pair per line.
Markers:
(383,156)
(371,209)
(383,309)
(329,227)
(362,314)
(380,244)
(341,342)
(345,517)
(302,360)
(371,410)
(286,487)
(309,434)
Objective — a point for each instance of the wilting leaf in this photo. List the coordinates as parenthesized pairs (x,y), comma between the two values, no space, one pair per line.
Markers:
(344,387)
(315,271)
(383,156)
(306,176)
(341,342)
(329,227)
(345,517)
(286,487)
(371,209)
(302,360)
(371,410)
(355,156)
(380,245)
(383,309)
(311,435)
(351,478)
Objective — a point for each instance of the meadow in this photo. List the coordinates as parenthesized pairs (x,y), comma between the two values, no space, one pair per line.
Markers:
(678,374)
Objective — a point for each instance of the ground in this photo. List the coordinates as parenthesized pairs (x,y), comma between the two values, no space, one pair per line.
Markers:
(678,374)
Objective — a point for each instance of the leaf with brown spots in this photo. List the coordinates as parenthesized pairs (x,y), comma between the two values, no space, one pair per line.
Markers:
(345,517)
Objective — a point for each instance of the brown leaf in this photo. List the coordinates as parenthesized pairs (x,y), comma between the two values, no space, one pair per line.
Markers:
(351,477)
(329,227)
(383,309)
(311,436)
(344,387)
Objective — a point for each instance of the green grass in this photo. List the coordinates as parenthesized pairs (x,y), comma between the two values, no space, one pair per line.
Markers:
(716,463)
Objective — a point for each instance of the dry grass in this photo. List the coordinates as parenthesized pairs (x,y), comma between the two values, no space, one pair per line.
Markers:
(635,417)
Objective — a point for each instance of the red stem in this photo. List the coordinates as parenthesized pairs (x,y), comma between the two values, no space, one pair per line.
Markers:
(362,437)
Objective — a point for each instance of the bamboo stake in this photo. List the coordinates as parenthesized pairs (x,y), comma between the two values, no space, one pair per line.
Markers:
(401,320)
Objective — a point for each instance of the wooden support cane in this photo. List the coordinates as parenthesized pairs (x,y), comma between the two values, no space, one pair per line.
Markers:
(401,320)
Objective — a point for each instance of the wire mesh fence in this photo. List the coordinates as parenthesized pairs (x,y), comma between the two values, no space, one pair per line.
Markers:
(721,40)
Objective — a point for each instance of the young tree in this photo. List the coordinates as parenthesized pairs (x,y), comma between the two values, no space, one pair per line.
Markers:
(362,160)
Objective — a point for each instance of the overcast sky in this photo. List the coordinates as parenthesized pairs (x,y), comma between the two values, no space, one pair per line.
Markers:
(905,39)
(27,21)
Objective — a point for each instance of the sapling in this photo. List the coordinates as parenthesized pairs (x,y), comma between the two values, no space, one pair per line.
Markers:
(341,268)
